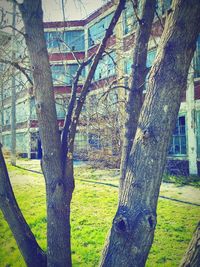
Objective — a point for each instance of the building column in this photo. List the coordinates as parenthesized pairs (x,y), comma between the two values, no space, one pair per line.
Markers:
(191,133)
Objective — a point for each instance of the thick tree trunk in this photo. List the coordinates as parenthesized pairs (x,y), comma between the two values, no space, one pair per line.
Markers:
(32,253)
(138,76)
(192,255)
(132,232)
(59,187)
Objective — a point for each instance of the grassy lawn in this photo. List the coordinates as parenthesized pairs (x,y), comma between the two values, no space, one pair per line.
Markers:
(93,208)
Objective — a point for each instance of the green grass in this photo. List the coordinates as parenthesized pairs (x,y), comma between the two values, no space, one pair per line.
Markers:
(192,180)
(93,208)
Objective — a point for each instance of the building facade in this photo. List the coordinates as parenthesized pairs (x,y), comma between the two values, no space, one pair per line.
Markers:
(70,42)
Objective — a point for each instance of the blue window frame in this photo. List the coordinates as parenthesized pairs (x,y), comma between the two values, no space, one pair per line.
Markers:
(106,67)
(63,74)
(74,40)
(97,31)
(179,145)
(53,39)
(66,41)
(197,59)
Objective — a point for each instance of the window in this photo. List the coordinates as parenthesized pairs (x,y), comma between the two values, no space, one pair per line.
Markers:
(6,116)
(178,144)
(63,74)
(6,139)
(150,57)
(53,39)
(162,6)
(127,65)
(33,109)
(198,132)
(21,112)
(94,141)
(22,141)
(129,18)
(97,31)
(105,67)
(80,141)
(60,108)
(197,59)
(74,40)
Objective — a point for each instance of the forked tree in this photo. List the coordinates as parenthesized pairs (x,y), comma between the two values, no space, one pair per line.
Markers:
(57,161)
(145,150)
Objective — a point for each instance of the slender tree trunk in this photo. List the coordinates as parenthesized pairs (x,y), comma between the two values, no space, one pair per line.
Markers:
(58,186)
(192,255)
(132,232)
(32,253)
(138,76)
(13,95)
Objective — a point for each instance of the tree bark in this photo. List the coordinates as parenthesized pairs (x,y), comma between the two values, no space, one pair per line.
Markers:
(138,77)
(192,255)
(58,170)
(59,187)
(33,255)
(133,227)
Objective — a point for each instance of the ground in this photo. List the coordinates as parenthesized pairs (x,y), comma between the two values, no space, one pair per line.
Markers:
(93,207)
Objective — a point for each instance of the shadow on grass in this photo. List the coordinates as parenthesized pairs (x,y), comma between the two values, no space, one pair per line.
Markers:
(112,185)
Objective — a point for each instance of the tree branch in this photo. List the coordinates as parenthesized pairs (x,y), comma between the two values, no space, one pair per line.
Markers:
(18,67)
(67,122)
(89,78)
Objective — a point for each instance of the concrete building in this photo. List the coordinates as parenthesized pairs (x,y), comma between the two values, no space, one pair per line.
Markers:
(72,41)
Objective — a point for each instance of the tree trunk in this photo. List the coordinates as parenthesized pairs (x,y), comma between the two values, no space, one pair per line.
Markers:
(58,186)
(32,253)
(192,256)
(138,77)
(132,231)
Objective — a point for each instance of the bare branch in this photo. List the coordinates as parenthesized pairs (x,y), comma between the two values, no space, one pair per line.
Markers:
(11,27)
(71,106)
(18,67)
(89,78)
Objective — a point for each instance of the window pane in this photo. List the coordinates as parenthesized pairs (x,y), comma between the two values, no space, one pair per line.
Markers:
(178,144)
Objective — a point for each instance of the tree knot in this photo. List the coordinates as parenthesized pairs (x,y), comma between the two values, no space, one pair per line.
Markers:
(121,224)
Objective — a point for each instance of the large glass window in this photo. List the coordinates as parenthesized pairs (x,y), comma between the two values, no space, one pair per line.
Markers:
(74,40)
(33,109)
(65,41)
(7,116)
(63,74)
(178,144)
(21,112)
(106,67)
(163,6)
(197,59)
(97,31)
(150,57)
(53,39)
(60,108)
(80,141)
(6,139)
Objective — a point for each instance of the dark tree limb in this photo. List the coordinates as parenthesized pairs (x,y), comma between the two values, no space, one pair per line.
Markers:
(138,76)
(71,106)
(33,255)
(90,75)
